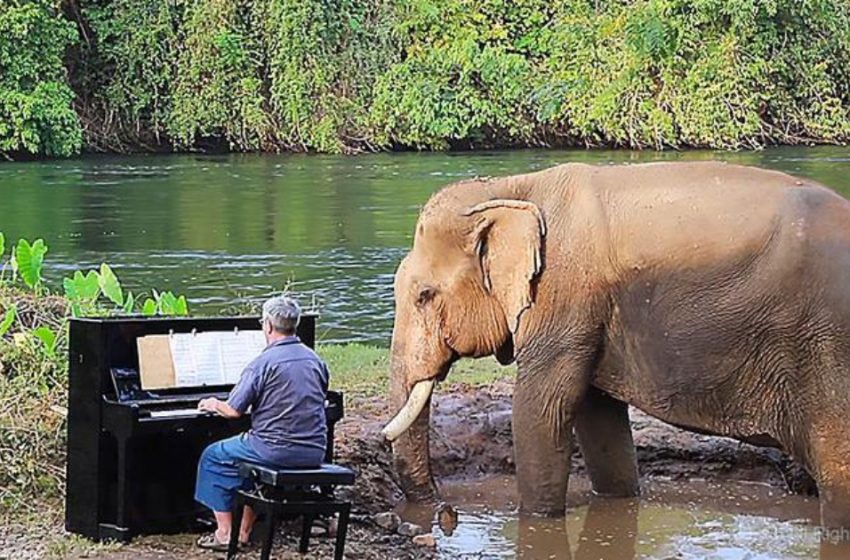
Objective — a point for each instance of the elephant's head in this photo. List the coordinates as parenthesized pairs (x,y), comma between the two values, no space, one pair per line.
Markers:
(461,291)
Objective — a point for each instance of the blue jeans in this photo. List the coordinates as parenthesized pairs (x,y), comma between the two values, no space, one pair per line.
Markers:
(218,471)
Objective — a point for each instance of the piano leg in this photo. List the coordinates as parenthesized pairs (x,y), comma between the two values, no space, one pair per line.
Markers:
(120,530)
(125,490)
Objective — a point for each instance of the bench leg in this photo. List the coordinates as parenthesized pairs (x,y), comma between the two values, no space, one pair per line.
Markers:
(238,508)
(341,530)
(306,527)
(271,527)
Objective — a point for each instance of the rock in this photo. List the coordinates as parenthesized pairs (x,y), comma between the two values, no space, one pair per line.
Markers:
(447,518)
(409,529)
(333,526)
(425,540)
(387,520)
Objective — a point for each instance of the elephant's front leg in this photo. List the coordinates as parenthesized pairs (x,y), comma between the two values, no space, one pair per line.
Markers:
(544,405)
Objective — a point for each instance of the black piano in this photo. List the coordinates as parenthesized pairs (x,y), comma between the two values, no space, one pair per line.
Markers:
(133,454)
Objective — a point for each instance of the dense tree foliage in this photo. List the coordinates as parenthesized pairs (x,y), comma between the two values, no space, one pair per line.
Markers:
(349,75)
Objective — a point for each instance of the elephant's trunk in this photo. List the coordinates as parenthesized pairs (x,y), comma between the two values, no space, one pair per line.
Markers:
(411,452)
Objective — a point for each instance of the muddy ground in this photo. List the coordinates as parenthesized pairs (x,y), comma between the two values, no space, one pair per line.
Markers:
(471,438)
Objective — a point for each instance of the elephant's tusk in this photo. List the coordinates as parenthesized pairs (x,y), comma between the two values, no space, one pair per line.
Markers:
(410,411)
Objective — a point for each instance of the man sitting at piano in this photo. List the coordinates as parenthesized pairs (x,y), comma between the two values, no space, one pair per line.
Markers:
(285,389)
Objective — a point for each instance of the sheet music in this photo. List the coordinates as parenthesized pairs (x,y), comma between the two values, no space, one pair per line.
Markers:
(213,358)
(185,373)
(238,350)
(206,355)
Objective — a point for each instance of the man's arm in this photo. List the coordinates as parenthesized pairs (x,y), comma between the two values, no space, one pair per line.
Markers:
(221,408)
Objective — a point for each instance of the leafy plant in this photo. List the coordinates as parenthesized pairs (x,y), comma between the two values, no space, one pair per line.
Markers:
(29,261)
(8,320)
(48,339)
(36,113)
(84,292)
(165,303)
(109,285)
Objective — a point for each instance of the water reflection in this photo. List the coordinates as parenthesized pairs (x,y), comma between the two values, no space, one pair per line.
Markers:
(681,519)
(227,230)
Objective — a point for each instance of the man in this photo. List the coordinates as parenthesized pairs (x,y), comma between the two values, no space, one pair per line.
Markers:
(285,388)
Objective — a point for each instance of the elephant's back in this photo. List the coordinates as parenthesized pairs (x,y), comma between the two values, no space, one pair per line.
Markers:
(686,215)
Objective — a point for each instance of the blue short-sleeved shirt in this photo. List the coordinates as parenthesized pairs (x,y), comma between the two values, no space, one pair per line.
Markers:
(285,387)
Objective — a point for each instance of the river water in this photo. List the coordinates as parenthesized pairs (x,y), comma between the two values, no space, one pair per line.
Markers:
(228,230)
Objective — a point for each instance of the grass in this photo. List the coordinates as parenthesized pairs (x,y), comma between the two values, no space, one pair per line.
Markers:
(363,370)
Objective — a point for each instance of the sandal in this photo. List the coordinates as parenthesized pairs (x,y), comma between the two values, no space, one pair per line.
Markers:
(211,542)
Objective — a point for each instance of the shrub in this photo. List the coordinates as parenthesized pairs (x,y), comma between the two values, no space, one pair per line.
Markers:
(35,99)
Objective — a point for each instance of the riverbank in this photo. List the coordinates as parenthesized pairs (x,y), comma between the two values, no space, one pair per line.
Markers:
(471,441)
(348,77)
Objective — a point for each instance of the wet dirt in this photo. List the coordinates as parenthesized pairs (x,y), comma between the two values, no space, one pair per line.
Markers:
(702,497)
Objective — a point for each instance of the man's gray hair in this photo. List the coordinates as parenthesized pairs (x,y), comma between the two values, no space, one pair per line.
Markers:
(283,313)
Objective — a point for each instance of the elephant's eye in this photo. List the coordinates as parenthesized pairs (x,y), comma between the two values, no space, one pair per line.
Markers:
(426,295)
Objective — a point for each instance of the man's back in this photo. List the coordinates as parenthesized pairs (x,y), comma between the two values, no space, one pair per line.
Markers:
(286,386)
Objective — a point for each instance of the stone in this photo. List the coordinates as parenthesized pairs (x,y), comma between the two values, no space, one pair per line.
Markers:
(447,518)
(387,520)
(425,540)
(409,529)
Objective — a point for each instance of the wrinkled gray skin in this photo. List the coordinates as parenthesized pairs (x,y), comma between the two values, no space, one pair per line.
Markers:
(714,297)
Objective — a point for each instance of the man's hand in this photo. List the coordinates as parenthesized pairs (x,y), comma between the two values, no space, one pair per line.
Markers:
(221,408)
(209,405)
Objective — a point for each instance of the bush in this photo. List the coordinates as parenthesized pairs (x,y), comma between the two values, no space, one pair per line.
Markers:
(352,75)
(35,99)
(34,368)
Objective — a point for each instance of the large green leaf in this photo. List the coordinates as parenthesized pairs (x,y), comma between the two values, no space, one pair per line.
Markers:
(167,303)
(181,306)
(110,286)
(29,260)
(82,288)
(8,319)
(149,308)
(129,303)
(47,337)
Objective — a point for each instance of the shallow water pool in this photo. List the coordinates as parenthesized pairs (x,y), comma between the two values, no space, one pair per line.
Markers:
(672,519)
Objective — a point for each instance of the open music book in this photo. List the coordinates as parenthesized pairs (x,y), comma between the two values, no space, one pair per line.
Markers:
(196,359)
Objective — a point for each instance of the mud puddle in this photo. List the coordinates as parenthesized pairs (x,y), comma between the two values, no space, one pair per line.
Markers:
(683,519)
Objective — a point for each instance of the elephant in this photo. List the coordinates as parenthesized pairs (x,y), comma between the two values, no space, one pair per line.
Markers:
(715,297)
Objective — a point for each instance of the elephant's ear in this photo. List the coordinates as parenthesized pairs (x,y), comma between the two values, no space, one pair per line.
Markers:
(509,240)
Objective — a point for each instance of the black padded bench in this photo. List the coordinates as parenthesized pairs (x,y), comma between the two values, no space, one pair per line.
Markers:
(291,493)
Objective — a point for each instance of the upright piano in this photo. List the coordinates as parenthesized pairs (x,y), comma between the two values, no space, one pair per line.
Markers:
(132,453)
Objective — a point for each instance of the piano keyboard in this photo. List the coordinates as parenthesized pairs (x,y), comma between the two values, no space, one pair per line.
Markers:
(177,413)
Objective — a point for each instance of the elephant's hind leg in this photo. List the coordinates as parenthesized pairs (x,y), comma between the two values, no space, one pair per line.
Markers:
(605,436)
(829,444)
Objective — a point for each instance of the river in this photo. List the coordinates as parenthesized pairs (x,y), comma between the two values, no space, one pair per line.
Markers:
(228,230)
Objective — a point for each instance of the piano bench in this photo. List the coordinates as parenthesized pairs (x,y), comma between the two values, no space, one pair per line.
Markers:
(292,493)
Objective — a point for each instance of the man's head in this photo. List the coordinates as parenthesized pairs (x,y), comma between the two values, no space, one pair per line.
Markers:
(281,315)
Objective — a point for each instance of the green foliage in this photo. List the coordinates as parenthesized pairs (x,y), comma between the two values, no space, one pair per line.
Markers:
(165,303)
(33,365)
(138,41)
(350,75)
(29,261)
(110,286)
(48,338)
(36,115)
(8,320)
